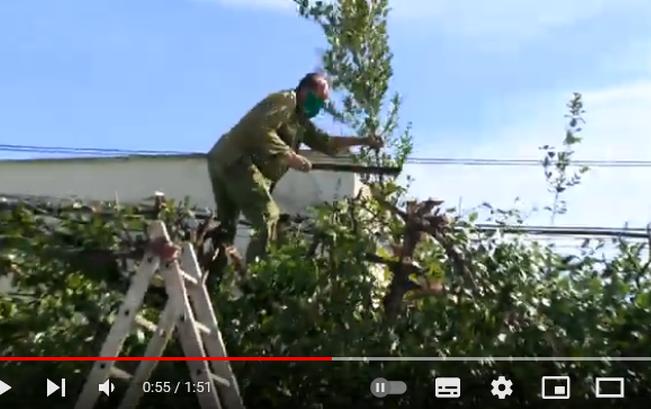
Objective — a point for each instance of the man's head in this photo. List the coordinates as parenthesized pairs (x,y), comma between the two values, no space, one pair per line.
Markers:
(312,93)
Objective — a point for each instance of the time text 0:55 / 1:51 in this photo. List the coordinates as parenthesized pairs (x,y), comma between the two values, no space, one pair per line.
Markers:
(175,387)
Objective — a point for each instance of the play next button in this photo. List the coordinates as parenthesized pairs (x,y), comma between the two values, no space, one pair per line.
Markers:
(4,387)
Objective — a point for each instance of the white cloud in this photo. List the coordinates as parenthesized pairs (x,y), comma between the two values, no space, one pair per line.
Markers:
(476,17)
(494,25)
(634,58)
(618,127)
(278,5)
(522,18)
(638,91)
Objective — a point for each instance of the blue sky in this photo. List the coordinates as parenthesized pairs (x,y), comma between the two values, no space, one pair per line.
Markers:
(480,79)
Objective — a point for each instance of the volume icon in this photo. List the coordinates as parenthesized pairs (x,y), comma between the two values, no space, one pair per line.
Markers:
(106,387)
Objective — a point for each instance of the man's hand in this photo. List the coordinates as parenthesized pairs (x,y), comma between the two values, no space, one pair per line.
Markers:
(342,143)
(298,162)
(374,142)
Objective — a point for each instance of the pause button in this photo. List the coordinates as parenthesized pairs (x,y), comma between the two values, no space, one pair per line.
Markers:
(380,387)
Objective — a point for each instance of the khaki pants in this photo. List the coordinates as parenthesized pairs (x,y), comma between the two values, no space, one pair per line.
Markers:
(242,188)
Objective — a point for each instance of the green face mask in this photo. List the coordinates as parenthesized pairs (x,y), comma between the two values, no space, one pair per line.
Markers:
(312,105)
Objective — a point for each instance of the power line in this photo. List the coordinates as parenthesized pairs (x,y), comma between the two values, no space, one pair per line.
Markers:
(577,232)
(525,162)
(77,150)
(574,231)
(423,161)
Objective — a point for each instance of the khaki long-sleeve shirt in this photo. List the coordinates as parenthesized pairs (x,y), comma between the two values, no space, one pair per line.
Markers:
(267,132)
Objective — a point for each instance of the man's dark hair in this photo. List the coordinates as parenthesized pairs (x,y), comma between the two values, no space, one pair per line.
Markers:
(310,81)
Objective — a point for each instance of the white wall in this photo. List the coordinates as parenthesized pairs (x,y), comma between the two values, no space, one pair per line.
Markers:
(136,178)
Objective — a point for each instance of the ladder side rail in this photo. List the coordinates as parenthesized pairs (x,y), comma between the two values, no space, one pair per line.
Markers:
(213,342)
(155,348)
(123,324)
(188,334)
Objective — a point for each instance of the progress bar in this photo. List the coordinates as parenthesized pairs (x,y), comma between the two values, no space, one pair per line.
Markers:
(496,359)
(333,358)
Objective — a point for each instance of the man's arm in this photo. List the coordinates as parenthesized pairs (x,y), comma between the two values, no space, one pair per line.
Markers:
(320,141)
(265,119)
(342,143)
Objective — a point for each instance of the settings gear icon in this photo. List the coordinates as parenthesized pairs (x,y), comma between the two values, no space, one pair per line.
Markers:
(502,387)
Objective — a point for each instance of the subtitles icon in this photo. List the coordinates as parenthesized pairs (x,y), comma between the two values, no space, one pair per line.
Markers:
(605,387)
(447,387)
(555,387)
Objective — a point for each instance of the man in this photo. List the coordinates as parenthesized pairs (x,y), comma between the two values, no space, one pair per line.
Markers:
(259,150)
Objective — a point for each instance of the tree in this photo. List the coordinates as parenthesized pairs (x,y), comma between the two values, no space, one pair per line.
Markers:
(358,63)
(556,163)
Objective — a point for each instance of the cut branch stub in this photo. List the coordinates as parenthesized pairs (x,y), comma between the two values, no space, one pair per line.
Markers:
(420,220)
(425,208)
(400,285)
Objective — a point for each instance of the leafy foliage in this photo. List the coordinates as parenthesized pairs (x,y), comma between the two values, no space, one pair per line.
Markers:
(556,163)
(358,62)
(319,295)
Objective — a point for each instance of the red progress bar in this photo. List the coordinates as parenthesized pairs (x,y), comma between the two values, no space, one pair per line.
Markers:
(165,358)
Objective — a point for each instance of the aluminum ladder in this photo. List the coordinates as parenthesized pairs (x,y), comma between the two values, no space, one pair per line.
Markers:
(189,311)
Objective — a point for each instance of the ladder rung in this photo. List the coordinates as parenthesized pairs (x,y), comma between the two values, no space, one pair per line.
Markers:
(202,328)
(218,379)
(158,281)
(120,373)
(145,323)
(189,278)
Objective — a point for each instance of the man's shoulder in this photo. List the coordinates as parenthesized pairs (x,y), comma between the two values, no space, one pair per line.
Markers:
(282,99)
